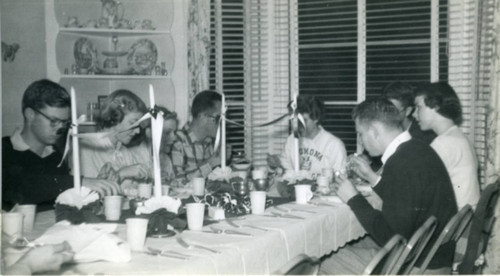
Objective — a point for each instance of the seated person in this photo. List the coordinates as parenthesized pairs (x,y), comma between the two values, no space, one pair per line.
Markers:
(438,109)
(167,140)
(193,153)
(414,185)
(318,148)
(109,156)
(402,95)
(30,172)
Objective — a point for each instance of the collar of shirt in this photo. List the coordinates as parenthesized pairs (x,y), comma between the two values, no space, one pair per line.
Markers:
(451,129)
(391,148)
(19,144)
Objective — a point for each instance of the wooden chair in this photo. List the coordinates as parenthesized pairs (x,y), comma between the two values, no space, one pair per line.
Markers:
(300,265)
(386,257)
(451,233)
(414,247)
(480,230)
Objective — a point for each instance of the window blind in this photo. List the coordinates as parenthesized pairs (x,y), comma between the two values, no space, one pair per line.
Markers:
(226,69)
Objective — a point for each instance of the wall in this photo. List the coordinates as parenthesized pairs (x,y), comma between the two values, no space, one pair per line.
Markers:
(22,23)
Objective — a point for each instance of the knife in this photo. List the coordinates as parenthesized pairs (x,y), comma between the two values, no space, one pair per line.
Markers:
(231,232)
(285,215)
(281,209)
(300,210)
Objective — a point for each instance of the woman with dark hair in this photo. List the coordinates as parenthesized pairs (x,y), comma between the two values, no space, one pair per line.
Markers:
(438,108)
(109,157)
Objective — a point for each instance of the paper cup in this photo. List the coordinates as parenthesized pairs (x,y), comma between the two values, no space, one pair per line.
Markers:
(12,224)
(144,190)
(29,212)
(303,194)
(323,184)
(328,173)
(136,233)
(164,189)
(258,174)
(195,214)
(198,186)
(113,207)
(258,202)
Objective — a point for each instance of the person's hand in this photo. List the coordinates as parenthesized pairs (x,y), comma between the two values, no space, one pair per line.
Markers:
(107,172)
(214,160)
(362,168)
(102,186)
(41,259)
(345,189)
(273,161)
(139,172)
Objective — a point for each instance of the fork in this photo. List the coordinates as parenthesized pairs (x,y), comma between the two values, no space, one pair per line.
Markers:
(163,254)
(160,251)
(182,242)
(245,225)
(230,232)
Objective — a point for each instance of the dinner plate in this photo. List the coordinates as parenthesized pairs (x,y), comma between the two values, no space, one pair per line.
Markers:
(142,56)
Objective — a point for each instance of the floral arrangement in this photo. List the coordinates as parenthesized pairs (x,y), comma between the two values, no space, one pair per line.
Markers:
(219,179)
(232,206)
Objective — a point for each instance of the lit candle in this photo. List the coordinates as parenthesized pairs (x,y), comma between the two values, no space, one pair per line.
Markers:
(156,150)
(223,133)
(76,149)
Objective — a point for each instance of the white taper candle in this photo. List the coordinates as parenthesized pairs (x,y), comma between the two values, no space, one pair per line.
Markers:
(76,148)
(223,133)
(156,150)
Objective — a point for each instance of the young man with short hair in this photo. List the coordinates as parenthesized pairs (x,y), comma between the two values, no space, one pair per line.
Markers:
(414,185)
(30,172)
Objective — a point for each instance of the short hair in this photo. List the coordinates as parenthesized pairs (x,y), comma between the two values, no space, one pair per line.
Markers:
(442,97)
(378,110)
(43,93)
(118,104)
(167,114)
(204,101)
(311,105)
(403,92)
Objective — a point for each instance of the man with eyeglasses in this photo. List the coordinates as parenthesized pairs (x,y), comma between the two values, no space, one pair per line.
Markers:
(192,153)
(30,172)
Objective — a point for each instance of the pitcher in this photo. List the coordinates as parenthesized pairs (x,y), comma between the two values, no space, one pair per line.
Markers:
(112,11)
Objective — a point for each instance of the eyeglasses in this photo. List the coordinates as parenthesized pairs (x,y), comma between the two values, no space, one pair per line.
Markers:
(54,122)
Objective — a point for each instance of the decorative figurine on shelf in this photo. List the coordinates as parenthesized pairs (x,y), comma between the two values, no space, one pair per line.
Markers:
(112,11)
(85,56)
(142,57)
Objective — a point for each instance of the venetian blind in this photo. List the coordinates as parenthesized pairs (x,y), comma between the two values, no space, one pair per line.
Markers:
(470,66)
(226,69)
(268,75)
(349,50)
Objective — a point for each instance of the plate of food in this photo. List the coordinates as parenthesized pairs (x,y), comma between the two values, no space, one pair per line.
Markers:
(142,57)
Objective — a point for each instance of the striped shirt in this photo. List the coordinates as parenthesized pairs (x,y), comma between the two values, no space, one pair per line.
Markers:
(190,156)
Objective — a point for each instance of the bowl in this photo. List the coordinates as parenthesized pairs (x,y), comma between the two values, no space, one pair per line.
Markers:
(242,166)
(261,184)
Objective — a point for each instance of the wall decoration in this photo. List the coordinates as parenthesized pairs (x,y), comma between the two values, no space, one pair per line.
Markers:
(9,51)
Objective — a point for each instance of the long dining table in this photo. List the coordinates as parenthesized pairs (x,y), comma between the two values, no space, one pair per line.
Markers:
(314,229)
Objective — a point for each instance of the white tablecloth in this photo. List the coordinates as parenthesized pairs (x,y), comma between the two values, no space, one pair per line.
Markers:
(320,233)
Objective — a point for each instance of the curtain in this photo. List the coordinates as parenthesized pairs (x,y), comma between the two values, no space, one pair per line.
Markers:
(493,143)
(198,46)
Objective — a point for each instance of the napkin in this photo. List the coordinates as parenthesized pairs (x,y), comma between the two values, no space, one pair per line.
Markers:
(171,204)
(77,198)
(220,174)
(90,242)
(77,206)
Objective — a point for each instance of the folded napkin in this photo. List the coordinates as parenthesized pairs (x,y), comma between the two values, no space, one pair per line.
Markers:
(77,198)
(171,204)
(90,242)
(77,206)
(220,174)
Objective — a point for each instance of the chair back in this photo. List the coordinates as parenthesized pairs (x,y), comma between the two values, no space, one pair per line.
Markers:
(480,230)
(386,257)
(300,265)
(451,232)
(415,246)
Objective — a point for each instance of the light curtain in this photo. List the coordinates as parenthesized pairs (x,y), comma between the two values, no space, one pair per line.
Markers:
(493,143)
(198,46)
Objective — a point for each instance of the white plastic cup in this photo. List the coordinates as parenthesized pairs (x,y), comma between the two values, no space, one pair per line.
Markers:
(258,202)
(144,190)
(136,233)
(113,207)
(195,213)
(303,194)
(12,224)
(258,174)
(198,186)
(323,184)
(29,213)
(328,173)
(165,189)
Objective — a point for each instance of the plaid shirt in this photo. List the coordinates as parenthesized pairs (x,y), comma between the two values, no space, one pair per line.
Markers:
(190,156)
